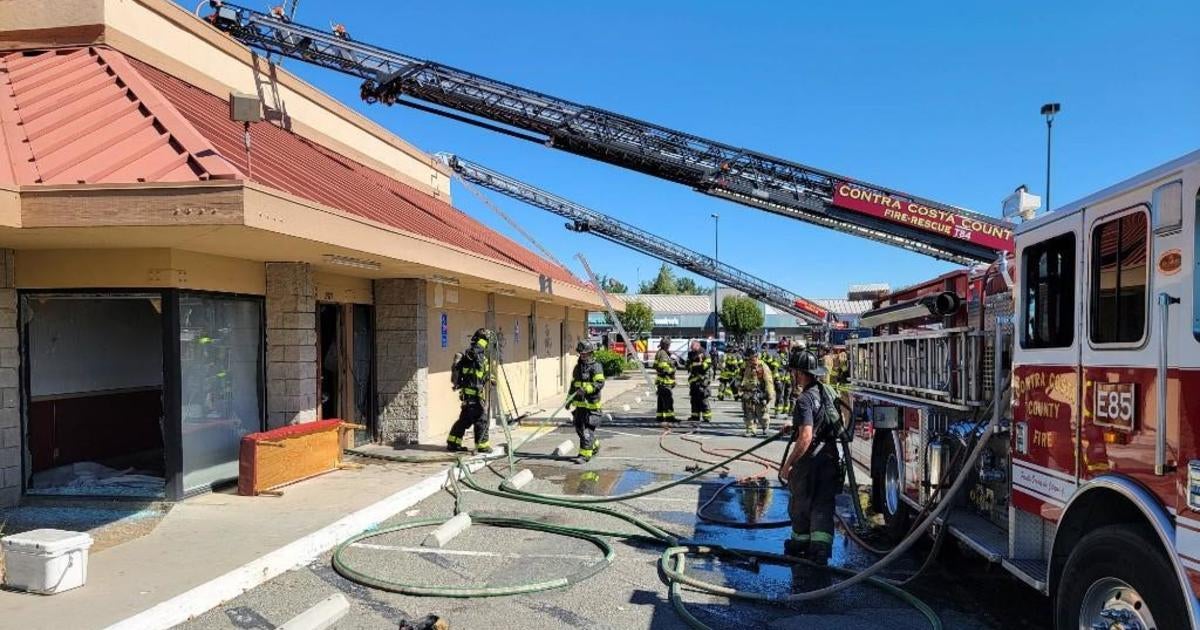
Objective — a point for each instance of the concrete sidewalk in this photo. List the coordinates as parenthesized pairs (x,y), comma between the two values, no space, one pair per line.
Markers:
(213,547)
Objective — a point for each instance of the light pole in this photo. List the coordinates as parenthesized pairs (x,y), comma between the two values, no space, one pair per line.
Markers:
(717,257)
(1049,110)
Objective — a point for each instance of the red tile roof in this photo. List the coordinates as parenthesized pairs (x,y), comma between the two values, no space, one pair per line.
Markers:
(289,162)
(92,115)
(83,116)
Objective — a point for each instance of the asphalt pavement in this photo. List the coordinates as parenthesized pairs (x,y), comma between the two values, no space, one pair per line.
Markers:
(964,591)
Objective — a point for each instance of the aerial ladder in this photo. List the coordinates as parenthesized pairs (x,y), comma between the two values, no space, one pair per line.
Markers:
(721,170)
(585,220)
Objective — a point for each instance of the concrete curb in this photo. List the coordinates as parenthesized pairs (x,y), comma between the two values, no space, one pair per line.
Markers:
(209,595)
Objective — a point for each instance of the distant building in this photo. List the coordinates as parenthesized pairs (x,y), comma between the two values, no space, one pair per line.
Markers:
(681,316)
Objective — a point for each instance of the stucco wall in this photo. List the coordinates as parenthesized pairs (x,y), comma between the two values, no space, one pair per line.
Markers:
(137,268)
(465,312)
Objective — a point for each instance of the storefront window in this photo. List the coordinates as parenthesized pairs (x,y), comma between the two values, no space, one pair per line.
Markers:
(220,350)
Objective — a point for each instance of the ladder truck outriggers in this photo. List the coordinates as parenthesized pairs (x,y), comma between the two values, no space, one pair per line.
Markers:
(1062,359)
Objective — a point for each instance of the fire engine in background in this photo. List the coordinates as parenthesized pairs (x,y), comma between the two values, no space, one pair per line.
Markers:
(1084,346)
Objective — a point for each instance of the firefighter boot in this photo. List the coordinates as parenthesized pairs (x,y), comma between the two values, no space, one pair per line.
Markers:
(818,553)
(795,548)
(455,445)
(483,447)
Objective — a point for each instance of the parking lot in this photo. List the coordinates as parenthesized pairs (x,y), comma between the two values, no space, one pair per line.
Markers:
(964,591)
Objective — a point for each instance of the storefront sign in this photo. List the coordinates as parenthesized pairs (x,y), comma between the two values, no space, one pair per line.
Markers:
(997,236)
(666,321)
(445,330)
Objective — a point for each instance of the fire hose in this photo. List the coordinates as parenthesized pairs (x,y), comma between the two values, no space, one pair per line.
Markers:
(672,561)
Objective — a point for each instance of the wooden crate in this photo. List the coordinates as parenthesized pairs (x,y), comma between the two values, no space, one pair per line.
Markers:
(272,459)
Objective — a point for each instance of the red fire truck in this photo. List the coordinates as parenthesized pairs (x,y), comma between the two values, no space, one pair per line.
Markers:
(1083,347)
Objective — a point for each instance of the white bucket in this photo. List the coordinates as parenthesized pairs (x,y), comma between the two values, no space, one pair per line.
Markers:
(45,561)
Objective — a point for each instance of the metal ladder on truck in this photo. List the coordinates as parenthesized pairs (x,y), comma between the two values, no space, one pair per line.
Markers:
(592,222)
(938,366)
(721,170)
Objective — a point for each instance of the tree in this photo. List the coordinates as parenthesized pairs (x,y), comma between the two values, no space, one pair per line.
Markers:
(688,286)
(637,318)
(610,284)
(663,283)
(740,316)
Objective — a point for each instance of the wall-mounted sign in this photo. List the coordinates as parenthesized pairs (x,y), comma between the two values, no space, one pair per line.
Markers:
(666,321)
(445,330)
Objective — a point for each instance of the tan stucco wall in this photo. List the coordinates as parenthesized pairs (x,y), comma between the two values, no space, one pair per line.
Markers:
(10,207)
(332,287)
(137,268)
(550,365)
(466,311)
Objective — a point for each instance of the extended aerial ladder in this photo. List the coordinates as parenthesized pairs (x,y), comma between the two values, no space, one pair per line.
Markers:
(747,177)
(583,219)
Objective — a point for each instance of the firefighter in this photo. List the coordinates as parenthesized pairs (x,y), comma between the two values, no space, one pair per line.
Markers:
(472,375)
(664,381)
(726,375)
(783,380)
(586,382)
(812,469)
(771,359)
(735,369)
(699,365)
(758,393)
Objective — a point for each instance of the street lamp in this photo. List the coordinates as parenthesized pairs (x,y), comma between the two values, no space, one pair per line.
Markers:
(716,257)
(1049,110)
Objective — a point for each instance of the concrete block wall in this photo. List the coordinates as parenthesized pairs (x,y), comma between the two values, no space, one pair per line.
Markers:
(402,360)
(11,442)
(291,306)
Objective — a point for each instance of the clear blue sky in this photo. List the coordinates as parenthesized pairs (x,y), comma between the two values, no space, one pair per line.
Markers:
(937,99)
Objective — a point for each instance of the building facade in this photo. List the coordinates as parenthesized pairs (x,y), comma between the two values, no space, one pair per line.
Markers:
(167,286)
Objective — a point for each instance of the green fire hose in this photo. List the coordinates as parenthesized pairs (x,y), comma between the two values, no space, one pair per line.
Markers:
(673,560)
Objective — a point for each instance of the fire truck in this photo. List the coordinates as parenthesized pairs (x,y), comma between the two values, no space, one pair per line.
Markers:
(1083,346)
(1060,357)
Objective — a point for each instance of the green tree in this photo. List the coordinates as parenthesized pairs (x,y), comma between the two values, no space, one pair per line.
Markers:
(688,286)
(663,283)
(740,316)
(610,284)
(637,318)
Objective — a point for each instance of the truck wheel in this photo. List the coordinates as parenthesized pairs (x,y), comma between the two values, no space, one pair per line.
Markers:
(887,483)
(1117,578)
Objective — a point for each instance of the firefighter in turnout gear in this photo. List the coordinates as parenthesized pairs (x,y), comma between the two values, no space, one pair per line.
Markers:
(664,381)
(812,469)
(699,366)
(773,362)
(471,377)
(727,375)
(586,382)
(783,399)
(758,393)
(736,365)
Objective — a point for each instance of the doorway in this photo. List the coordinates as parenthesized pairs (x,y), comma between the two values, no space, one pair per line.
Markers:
(95,375)
(329,339)
(346,344)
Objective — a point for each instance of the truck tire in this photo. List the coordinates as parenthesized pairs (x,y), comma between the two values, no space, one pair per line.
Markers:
(1117,576)
(887,484)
